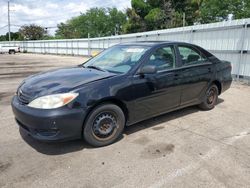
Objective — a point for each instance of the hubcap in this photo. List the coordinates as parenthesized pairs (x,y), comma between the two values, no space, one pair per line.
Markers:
(211,96)
(104,126)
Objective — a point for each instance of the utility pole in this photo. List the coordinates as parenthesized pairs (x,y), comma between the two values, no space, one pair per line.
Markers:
(9,19)
(184,19)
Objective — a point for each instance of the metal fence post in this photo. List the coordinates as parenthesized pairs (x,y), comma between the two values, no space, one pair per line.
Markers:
(66,42)
(49,47)
(44,48)
(89,44)
(40,48)
(57,47)
(241,50)
(191,36)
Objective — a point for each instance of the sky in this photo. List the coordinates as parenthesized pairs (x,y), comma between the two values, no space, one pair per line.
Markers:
(48,13)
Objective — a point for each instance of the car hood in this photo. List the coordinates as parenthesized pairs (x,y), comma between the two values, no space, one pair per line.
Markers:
(61,80)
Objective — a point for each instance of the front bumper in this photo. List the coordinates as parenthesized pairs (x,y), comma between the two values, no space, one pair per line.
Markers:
(63,123)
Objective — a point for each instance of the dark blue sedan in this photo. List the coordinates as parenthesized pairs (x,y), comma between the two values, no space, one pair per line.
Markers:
(124,84)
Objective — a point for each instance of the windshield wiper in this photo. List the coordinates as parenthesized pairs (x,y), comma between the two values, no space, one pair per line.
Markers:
(95,67)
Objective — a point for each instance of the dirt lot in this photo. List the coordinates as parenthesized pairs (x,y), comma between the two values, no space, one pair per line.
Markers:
(186,148)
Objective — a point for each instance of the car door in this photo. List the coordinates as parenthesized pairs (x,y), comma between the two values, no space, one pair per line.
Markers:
(196,74)
(159,92)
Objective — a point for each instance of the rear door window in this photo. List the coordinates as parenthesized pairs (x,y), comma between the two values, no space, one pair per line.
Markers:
(190,56)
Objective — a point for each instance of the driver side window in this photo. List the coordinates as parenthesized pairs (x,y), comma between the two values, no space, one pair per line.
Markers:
(163,58)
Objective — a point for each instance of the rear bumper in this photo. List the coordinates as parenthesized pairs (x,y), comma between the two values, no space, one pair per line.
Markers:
(226,85)
(64,123)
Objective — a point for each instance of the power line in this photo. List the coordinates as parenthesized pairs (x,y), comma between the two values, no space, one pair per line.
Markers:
(15,25)
(49,27)
(3,27)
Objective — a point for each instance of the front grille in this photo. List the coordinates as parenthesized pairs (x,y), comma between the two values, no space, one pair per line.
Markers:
(23,97)
(46,133)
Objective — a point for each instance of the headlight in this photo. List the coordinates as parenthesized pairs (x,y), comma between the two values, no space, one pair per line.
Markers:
(53,101)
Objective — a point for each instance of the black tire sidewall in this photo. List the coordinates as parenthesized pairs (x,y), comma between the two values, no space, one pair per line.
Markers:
(11,52)
(207,106)
(88,131)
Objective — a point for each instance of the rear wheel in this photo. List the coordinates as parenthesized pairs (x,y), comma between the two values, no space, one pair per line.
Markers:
(211,98)
(12,52)
(104,125)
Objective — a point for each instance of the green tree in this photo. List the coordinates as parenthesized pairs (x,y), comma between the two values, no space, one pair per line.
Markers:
(145,15)
(242,10)
(214,11)
(141,7)
(135,23)
(97,22)
(32,32)
(65,30)
(155,19)
(2,38)
(116,20)
(14,36)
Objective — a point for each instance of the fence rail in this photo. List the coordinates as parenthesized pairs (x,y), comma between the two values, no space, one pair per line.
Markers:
(227,40)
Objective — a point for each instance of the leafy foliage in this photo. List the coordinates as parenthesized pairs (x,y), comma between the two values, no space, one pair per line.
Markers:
(32,32)
(214,11)
(144,15)
(14,36)
(148,15)
(155,19)
(159,14)
(97,22)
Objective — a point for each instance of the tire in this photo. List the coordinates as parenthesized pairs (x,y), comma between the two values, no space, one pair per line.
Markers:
(12,52)
(104,125)
(211,98)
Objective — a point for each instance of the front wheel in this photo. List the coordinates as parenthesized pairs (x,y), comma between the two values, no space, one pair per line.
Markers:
(104,125)
(210,98)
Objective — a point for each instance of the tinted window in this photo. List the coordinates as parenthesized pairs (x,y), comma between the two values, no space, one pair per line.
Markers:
(190,55)
(163,59)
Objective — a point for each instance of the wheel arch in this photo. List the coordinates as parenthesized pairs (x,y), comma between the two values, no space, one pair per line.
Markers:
(109,100)
(218,84)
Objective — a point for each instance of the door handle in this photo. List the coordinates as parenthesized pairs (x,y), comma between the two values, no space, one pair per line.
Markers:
(209,69)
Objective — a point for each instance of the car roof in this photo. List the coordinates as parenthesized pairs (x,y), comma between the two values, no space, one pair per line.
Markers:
(151,43)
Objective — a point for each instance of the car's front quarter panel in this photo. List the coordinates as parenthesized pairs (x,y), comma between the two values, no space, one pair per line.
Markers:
(118,87)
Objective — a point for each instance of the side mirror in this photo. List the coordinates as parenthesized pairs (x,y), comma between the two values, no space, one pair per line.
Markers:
(148,69)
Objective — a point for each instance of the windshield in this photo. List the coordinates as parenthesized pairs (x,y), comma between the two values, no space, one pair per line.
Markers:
(117,59)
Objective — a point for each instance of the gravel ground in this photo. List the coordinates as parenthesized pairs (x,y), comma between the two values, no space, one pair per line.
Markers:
(185,148)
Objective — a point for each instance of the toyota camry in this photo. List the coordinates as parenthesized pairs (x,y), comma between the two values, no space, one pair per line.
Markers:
(125,84)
